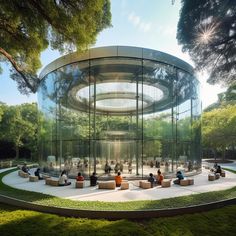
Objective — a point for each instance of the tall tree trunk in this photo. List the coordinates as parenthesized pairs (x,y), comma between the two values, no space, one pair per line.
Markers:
(223,154)
(17,152)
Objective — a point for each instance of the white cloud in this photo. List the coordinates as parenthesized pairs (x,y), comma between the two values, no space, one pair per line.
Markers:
(170,31)
(166,31)
(139,23)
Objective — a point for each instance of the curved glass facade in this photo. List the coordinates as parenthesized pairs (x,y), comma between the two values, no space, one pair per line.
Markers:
(133,109)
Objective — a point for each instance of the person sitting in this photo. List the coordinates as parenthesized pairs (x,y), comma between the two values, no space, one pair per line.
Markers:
(25,169)
(107,168)
(151,179)
(37,173)
(218,169)
(118,179)
(179,176)
(80,177)
(159,177)
(93,179)
(117,167)
(63,179)
(130,168)
(215,166)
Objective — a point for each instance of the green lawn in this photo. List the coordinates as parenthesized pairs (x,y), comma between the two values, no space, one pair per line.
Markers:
(233,171)
(174,202)
(15,222)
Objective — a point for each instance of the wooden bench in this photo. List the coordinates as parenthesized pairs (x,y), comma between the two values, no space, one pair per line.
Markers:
(165,183)
(145,184)
(107,184)
(211,177)
(51,182)
(217,175)
(186,182)
(33,178)
(222,173)
(45,176)
(79,184)
(23,174)
(5,164)
(124,185)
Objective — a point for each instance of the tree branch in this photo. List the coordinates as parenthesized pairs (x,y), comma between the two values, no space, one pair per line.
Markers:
(18,69)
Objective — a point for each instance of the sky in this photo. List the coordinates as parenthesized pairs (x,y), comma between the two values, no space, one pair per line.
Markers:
(149,24)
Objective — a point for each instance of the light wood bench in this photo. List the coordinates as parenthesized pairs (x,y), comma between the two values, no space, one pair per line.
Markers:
(217,175)
(145,184)
(186,182)
(45,176)
(33,178)
(51,182)
(124,185)
(183,182)
(211,177)
(23,174)
(222,173)
(79,184)
(165,183)
(107,184)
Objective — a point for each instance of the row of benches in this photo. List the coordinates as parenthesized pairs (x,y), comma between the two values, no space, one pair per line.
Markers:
(112,185)
(212,176)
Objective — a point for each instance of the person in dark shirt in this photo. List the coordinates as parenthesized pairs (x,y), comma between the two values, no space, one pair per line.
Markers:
(179,176)
(37,173)
(93,179)
(218,169)
(25,169)
(151,179)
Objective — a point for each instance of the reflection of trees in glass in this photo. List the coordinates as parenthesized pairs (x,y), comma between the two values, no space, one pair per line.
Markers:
(152,148)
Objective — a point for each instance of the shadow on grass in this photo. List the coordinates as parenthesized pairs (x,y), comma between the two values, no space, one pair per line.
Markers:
(24,222)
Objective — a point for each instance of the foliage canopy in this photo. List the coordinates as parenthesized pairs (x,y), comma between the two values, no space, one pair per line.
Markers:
(29,27)
(19,125)
(207,30)
(219,127)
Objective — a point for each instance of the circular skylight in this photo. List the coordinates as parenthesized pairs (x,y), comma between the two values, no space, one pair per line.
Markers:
(119,96)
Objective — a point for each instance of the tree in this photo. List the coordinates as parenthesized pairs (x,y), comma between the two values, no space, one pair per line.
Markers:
(219,128)
(29,27)
(207,30)
(19,125)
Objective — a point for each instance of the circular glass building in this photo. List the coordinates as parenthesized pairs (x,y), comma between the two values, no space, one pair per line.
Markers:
(119,108)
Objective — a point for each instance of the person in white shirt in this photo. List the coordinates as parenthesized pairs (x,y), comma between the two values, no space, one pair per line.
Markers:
(63,179)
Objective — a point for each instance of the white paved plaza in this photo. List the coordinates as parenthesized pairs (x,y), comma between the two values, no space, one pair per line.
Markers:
(201,185)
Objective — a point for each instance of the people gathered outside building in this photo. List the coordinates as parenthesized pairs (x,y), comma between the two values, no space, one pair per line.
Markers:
(93,179)
(80,177)
(107,168)
(179,176)
(63,179)
(37,173)
(218,169)
(25,168)
(151,179)
(159,177)
(118,179)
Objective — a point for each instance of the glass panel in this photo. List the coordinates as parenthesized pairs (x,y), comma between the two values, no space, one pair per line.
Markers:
(137,116)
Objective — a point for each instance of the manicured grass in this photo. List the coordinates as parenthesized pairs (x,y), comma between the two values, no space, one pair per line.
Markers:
(16,222)
(233,171)
(174,202)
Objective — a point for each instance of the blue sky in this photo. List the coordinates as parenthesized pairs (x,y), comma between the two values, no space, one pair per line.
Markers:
(150,24)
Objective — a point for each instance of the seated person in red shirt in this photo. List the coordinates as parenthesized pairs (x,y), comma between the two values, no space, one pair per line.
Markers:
(159,177)
(118,179)
(79,177)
